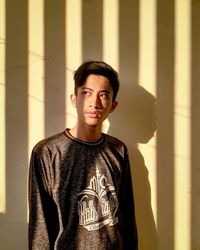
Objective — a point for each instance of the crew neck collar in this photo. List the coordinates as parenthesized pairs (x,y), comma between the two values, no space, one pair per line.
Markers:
(98,142)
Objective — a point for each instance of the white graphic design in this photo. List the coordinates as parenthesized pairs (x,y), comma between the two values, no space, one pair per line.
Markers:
(98,204)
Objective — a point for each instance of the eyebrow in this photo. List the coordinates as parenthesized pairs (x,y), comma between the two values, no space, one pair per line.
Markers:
(104,90)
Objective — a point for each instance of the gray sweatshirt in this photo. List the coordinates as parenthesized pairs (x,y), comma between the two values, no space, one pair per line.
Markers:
(80,195)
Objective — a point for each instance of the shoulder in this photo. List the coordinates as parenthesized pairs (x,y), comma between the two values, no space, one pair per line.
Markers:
(50,143)
(112,141)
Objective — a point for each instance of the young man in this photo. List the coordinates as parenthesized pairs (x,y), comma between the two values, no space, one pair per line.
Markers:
(80,190)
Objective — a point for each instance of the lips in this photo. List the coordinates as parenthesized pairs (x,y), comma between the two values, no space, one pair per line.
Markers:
(93,114)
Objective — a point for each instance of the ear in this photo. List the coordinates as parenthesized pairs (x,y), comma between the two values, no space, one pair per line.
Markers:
(73,100)
(114,105)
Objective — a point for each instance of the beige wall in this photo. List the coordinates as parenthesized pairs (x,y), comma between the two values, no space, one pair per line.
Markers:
(155,46)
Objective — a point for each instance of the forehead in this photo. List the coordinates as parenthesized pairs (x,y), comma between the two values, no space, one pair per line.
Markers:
(97,82)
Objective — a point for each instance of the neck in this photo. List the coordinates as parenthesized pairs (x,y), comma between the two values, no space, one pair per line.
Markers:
(89,133)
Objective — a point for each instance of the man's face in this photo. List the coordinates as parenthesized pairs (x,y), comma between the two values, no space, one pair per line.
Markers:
(94,100)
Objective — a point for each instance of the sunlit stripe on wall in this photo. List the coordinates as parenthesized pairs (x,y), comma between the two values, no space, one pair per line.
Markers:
(111,32)
(73,52)
(147,79)
(2,107)
(36,72)
(182,125)
(110,38)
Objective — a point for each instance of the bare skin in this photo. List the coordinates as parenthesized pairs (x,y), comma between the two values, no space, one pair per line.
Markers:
(93,102)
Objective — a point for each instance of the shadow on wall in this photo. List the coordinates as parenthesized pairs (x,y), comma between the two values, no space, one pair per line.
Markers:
(134,122)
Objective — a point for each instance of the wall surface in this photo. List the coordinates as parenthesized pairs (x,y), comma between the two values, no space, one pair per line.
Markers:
(155,47)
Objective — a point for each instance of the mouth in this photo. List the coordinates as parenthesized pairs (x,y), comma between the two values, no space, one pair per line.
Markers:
(93,114)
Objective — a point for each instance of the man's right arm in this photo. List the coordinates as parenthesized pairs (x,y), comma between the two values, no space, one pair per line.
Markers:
(43,222)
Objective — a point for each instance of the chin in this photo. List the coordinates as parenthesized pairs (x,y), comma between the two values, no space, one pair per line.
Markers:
(94,123)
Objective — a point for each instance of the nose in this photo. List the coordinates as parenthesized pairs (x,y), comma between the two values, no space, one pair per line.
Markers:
(95,102)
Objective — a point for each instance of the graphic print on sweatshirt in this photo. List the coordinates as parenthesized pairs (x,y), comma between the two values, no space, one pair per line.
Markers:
(98,203)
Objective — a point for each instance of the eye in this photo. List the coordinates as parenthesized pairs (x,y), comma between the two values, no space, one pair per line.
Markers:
(104,95)
(85,92)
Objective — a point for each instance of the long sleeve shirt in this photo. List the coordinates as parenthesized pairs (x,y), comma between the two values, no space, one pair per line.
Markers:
(80,195)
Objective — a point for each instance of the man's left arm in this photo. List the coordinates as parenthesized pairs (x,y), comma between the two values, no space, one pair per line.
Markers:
(128,208)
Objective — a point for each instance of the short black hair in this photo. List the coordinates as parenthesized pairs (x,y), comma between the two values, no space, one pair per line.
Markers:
(97,68)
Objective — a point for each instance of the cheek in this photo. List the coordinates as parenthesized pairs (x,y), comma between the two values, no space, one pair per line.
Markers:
(107,105)
(81,103)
